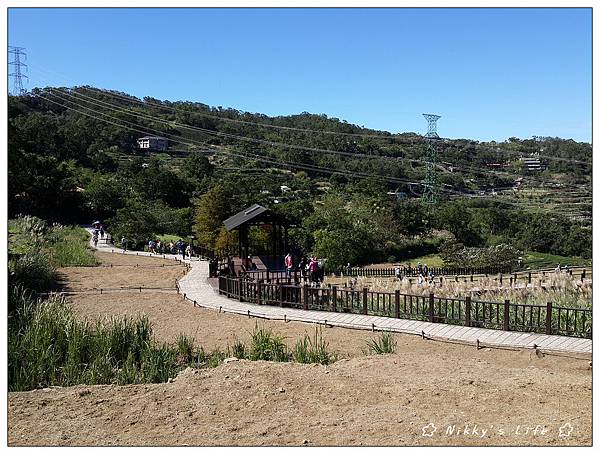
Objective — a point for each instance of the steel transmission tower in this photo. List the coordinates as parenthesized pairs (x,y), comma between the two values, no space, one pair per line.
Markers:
(430,182)
(17,74)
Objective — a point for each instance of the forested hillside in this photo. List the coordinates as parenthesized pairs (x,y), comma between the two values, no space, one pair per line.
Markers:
(352,192)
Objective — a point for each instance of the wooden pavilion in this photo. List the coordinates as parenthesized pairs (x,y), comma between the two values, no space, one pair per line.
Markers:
(257,215)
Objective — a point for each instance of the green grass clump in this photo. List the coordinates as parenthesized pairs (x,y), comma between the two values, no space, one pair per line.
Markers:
(265,345)
(185,348)
(216,358)
(386,343)
(239,350)
(313,350)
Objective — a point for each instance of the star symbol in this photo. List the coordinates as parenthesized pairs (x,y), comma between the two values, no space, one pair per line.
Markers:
(429,430)
(565,430)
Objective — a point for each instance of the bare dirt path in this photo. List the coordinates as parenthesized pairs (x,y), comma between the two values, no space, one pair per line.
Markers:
(517,397)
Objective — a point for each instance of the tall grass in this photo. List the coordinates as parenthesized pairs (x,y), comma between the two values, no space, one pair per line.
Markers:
(386,343)
(69,246)
(264,345)
(313,350)
(49,346)
(560,288)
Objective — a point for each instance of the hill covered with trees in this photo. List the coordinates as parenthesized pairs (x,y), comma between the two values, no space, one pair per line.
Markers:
(352,192)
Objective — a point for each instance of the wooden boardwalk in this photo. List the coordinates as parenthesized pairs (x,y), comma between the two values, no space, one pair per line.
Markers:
(196,288)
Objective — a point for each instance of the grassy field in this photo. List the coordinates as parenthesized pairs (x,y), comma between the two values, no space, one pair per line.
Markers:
(536,260)
(532,260)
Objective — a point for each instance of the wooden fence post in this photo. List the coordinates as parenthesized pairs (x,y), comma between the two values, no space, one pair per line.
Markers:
(334,298)
(549,317)
(506,325)
(240,288)
(365,309)
(500,278)
(529,278)
(305,296)
(397,303)
(268,276)
(281,298)
(468,311)
(259,292)
(431,316)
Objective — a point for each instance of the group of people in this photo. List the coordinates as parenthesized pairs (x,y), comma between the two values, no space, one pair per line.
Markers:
(157,246)
(98,230)
(179,247)
(424,274)
(311,270)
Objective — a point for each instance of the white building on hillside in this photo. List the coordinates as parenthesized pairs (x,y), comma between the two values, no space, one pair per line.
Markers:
(153,143)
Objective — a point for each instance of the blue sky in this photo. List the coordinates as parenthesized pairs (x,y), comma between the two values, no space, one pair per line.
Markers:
(490,73)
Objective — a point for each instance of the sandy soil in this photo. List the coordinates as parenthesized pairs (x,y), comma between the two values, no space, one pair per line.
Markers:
(517,398)
(149,273)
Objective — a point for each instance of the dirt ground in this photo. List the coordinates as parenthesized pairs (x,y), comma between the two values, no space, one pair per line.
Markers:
(456,393)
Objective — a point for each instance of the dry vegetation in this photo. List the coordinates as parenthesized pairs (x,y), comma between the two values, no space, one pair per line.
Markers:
(560,288)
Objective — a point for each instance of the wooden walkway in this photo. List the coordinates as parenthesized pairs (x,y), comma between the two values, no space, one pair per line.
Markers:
(196,288)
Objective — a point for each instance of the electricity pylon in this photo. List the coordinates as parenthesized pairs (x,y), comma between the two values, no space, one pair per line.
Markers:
(429,195)
(17,74)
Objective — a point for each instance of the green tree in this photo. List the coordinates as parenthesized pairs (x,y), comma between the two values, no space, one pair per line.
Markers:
(197,166)
(211,210)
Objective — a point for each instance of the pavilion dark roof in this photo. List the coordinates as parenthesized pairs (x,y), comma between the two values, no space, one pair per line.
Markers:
(249,214)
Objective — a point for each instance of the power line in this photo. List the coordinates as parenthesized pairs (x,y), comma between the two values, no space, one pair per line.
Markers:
(243,155)
(106,105)
(375,136)
(273,161)
(17,74)
(247,156)
(76,95)
(233,120)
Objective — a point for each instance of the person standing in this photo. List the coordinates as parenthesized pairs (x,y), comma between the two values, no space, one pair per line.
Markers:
(289,264)
(124,244)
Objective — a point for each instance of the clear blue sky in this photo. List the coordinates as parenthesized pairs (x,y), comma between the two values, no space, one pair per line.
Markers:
(490,73)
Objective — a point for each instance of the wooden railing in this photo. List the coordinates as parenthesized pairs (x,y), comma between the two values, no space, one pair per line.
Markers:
(504,315)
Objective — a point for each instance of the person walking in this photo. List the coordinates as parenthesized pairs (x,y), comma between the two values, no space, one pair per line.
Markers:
(95,240)
(188,252)
(124,244)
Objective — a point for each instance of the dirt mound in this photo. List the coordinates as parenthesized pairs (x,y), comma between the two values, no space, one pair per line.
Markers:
(376,400)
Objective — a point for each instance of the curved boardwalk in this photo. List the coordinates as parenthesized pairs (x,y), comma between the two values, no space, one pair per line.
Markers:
(197,289)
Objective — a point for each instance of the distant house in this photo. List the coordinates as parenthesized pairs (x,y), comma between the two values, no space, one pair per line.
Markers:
(532,164)
(153,143)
